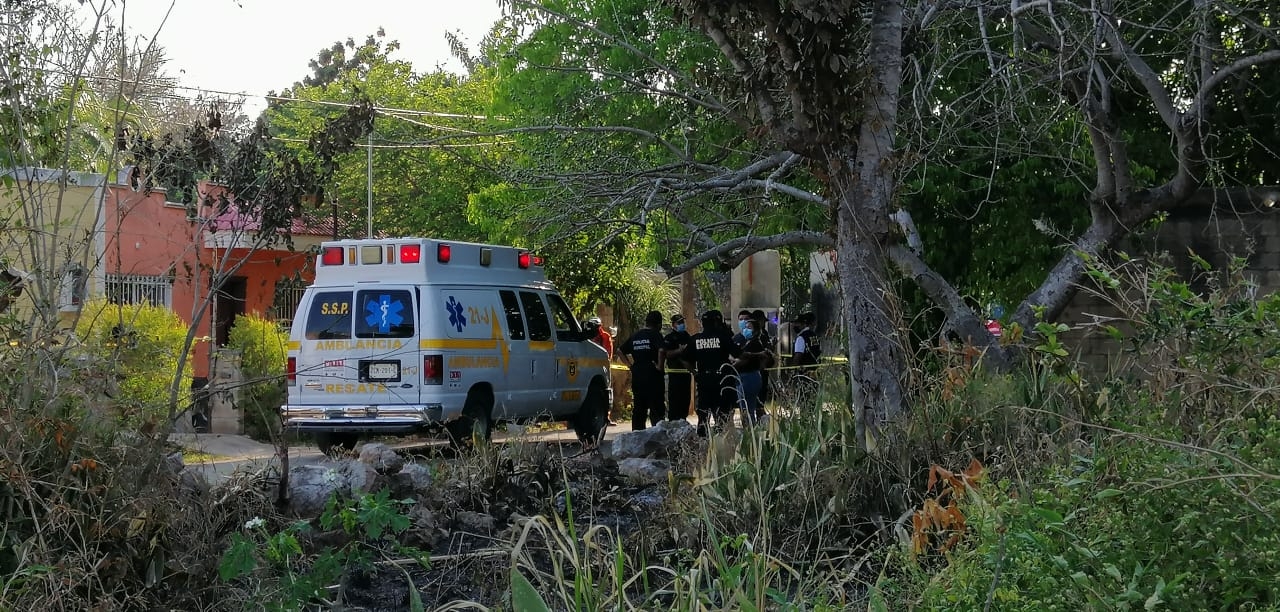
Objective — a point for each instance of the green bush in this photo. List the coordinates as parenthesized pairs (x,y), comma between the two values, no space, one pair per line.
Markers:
(133,352)
(1130,524)
(263,347)
(1165,499)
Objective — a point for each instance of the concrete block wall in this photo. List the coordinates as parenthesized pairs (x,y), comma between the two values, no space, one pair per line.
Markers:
(1216,237)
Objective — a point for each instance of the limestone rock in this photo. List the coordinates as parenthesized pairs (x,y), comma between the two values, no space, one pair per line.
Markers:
(653,442)
(474,522)
(381,457)
(311,486)
(645,471)
(412,479)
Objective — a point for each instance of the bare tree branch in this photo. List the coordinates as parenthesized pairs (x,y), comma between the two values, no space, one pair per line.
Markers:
(730,253)
(1211,84)
(758,89)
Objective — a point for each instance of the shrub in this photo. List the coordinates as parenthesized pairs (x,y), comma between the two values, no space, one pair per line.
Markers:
(263,347)
(96,514)
(1164,489)
(132,352)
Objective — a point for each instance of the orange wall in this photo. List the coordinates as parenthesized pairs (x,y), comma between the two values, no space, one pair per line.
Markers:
(146,236)
(262,270)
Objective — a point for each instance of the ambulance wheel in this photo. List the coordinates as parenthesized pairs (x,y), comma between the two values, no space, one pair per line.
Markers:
(476,420)
(593,417)
(330,442)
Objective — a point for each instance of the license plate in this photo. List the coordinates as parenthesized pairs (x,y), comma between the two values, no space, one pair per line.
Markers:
(384,371)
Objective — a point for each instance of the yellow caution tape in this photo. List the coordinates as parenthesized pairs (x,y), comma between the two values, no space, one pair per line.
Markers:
(825,362)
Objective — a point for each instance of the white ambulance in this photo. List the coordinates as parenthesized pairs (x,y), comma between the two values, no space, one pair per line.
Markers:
(398,336)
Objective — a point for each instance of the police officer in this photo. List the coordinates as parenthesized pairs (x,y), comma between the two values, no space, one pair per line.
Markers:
(805,353)
(642,352)
(749,365)
(806,350)
(679,384)
(766,337)
(712,351)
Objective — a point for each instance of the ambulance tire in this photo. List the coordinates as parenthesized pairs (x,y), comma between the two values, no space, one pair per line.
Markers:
(330,443)
(476,419)
(593,417)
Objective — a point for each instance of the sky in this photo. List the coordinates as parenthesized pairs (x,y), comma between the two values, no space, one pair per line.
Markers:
(256,46)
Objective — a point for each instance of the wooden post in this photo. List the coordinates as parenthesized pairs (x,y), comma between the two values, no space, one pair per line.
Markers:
(689,290)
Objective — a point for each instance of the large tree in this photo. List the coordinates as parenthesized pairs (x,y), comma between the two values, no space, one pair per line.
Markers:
(419,186)
(1135,103)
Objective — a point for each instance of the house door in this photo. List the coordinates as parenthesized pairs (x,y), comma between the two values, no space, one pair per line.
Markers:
(229,304)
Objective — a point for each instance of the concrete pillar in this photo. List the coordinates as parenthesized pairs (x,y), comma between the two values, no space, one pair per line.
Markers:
(224,414)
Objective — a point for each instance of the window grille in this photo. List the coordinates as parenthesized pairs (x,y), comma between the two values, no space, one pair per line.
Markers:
(73,288)
(140,289)
(288,295)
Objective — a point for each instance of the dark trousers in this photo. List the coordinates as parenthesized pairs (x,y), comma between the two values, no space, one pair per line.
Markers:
(647,404)
(679,391)
(717,397)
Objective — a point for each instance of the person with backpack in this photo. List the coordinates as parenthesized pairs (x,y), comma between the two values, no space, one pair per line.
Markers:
(642,352)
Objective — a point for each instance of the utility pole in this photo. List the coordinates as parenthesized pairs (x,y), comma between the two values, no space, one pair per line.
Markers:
(368,232)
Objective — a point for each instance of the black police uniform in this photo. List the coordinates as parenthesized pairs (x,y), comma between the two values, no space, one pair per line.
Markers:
(712,349)
(646,377)
(812,350)
(679,384)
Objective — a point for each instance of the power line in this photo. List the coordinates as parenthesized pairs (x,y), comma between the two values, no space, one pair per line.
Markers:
(242,94)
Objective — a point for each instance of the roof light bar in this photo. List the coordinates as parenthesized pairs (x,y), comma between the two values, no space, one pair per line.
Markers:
(410,253)
(331,256)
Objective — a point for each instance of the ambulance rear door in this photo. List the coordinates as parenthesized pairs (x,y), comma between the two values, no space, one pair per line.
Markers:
(359,350)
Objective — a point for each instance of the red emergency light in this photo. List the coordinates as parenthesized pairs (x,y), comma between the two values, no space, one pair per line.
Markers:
(410,253)
(523,259)
(443,253)
(331,256)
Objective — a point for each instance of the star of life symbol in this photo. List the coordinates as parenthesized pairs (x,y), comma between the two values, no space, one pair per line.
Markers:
(383,313)
(456,318)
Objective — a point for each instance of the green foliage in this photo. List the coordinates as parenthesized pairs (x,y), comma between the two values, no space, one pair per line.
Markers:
(1133,523)
(422,182)
(287,577)
(1155,490)
(134,350)
(263,347)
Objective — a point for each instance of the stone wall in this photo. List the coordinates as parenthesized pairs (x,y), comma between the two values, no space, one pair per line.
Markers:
(1216,236)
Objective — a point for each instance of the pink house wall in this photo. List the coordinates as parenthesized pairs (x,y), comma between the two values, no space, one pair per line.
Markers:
(146,236)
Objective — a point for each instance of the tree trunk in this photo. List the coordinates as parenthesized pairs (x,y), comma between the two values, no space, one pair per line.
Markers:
(864,183)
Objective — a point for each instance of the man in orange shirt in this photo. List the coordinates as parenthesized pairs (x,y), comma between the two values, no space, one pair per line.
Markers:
(602,336)
(597,333)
